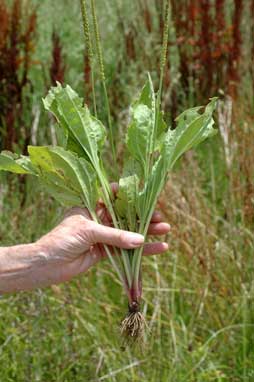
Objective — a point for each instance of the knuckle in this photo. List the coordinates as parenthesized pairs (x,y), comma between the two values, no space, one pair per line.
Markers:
(88,231)
(122,237)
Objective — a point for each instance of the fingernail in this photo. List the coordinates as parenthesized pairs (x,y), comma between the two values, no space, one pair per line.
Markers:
(165,246)
(135,238)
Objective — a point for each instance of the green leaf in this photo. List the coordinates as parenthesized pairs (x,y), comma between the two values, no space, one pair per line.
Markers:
(126,202)
(139,132)
(61,194)
(161,131)
(140,138)
(62,171)
(187,116)
(86,134)
(132,167)
(13,163)
(192,128)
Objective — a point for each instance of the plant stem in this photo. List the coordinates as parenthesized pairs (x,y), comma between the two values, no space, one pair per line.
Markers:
(93,87)
(106,198)
(144,225)
(146,220)
(162,68)
(85,21)
(112,260)
(136,262)
(103,78)
(103,180)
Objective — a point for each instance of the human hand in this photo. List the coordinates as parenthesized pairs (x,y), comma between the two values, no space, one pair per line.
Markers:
(69,249)
(77,242)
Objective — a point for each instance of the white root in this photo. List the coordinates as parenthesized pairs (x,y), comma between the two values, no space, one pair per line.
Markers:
(132,329)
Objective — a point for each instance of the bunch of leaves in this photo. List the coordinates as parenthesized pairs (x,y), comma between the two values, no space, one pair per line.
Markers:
(73,172)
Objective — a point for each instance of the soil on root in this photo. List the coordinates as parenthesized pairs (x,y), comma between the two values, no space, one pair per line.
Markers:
(133,327)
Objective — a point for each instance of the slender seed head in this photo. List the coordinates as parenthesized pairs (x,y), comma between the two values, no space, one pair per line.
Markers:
(86,28)
(165,38)
(97,40)
(103,78)
(87,37)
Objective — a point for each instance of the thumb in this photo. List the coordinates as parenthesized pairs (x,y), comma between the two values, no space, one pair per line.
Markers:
(115,237)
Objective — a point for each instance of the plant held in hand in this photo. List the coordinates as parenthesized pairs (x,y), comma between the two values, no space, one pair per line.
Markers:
(73,171)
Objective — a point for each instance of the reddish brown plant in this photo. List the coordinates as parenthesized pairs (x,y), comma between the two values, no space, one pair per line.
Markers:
(206,61)
(17,33)
(235,51)
(57,68)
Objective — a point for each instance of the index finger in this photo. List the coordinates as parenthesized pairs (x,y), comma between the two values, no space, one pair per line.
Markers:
(114,188)
(156,217)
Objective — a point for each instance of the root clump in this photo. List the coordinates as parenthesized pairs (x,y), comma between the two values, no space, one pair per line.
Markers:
(133,326)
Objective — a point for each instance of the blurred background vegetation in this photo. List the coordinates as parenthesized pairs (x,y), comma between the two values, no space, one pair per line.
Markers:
(198,298)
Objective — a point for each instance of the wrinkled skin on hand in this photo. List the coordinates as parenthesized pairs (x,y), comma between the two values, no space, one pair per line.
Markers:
(77,242)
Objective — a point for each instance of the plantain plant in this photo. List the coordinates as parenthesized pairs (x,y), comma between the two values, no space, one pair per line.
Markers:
(73,172)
